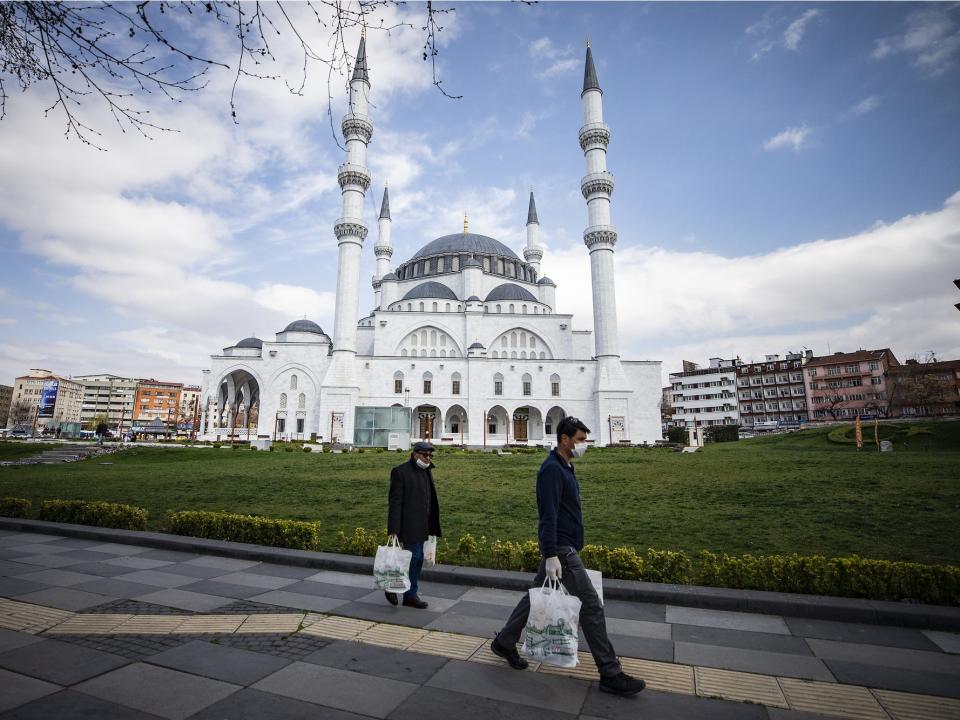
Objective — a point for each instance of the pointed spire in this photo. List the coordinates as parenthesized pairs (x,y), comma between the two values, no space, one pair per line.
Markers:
(385,205)
(532,211)
(466,223)
(590,81)
(360,69)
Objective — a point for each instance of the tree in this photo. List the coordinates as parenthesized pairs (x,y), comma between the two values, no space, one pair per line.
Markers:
(916,388)
(116,52)
(21,413)
(96,420)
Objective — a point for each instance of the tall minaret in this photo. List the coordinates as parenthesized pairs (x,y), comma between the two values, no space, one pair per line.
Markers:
(600,238)
(533,252)
(341,385)
(383,249)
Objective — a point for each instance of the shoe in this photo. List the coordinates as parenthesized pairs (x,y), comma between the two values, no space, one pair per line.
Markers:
(622,684)
(414,602)
(509,654)
(391,597)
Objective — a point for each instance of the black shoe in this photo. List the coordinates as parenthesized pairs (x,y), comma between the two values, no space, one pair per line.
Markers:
(622,684)
(414,602)
(391,597)
(509,654)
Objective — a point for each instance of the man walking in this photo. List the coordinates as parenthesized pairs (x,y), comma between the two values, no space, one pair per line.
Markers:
(414,514)
(561,537)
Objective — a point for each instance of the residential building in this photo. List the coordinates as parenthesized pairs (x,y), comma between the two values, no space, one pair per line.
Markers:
(705,396)
(52,401)
(924,389)
(189,408)
(155,399)
(771,394)
(843,386)
(109,396)
(6,395)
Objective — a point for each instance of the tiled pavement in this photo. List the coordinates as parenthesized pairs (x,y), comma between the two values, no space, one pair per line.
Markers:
(106,630)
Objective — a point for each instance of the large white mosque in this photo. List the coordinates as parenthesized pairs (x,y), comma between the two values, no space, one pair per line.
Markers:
(464,345)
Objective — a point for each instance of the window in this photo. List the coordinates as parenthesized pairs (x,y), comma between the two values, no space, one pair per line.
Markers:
(301,401)
(281,424)
(511,307)
(527,383)
(498,308)
(526,388)
(398,381)
(876,380)
(498,387)
(874,365)
(456,387)
(434,307)
(426,386)
(833,371)
(492,425)
(283,400)
(293,382)
(300,425)
(555,385)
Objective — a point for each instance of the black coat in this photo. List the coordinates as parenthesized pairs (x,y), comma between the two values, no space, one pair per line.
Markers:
(414,511)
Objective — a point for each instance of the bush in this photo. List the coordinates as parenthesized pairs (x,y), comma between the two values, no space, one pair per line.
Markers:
(15,507)
(625,564)
(361,542)
(272,532)
(596,557)
(101,514)
(722,433)
(665,566)
(677,435)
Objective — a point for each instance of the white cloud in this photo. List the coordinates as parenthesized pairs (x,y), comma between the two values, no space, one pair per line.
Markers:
(794,138)
(867,105)
(558,60)
(796,30)
(560,67)
(931,38)
(528,121)
(769,31)
(543,48)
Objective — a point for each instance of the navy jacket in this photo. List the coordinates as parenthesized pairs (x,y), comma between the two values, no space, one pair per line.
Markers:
(558,502)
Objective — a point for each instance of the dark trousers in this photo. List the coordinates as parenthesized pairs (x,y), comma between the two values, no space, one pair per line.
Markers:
(592,620)
(416,565)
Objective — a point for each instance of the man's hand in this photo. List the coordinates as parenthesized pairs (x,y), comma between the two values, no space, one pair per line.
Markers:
(553,568)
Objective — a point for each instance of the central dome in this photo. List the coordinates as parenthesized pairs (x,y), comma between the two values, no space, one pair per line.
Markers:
(465,243)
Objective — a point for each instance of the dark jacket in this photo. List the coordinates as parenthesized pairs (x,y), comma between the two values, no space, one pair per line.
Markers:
(558,503)
(414,511)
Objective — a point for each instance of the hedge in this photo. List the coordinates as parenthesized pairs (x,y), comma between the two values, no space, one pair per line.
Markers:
(252,529)
(101,514)
(15,507)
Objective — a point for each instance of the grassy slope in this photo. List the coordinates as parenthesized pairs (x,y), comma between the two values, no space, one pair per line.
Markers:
(13,450)
(793,493)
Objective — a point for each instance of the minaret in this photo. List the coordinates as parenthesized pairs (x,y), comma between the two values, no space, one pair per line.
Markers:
(533,252)
(383,249)
(600,237)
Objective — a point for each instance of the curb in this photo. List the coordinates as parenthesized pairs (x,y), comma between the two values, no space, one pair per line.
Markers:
(818,607)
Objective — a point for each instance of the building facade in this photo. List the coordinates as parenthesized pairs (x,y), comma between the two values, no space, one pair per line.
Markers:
(772,394)
(705,396)
(51,402)
(464,344)
(156,400)
(6,396)
(189,409)
(929,389)
(110,396)
(844,386)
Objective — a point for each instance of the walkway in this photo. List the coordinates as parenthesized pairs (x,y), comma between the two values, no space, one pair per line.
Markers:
(110,630)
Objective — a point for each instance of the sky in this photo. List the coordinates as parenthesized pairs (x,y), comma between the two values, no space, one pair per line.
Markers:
(787,178)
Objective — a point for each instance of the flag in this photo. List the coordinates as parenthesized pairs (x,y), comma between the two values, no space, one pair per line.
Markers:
(859,433)
(876,431)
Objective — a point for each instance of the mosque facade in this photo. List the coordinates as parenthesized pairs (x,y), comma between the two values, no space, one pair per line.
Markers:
(464,345)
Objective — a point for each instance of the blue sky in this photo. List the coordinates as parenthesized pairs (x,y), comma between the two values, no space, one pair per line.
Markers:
(786,177)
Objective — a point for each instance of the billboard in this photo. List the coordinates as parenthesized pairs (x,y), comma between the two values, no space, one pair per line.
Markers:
(48,398)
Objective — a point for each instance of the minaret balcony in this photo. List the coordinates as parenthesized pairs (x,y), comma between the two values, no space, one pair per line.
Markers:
(356,126)
(601,182)
(532,254)
(383,251)
(349,174)
(594,134)
(350,227)
(600,235)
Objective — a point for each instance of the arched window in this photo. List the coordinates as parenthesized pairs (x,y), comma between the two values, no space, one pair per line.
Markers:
(536,310)
(301,401)
(503,341)
(443,340)
(523,339)
(524,309)
(459,307)
(453,353)
(421,307)
(403,352)
(413,339)
(527,384)
(443,353)
(283,400)
(555,385)
(511,307)
(433,337)
(513,354)
(398,381)
(498,384)
(495,354)
(447,307)
(543,355)
(513,339)
(523,354)
(433,352)
(427,383)
(423,337)
(293,382)
(409,307)
(434,307)
(423,353)
(498,307)
(455,384)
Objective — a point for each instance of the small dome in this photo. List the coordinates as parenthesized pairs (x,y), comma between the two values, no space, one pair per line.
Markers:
(474,298)
(250,342)
(476,346)
(389,276)
(546,281)
(430,289)
(308,326)
(510,291)
(471,262)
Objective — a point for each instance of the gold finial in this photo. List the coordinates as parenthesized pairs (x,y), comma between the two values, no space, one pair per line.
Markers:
(588,41)
(466,223)
(363,32)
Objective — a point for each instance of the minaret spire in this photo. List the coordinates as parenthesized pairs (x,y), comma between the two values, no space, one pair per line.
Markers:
(533,252)
(385,205)
(590,81)
(383,250)
(360,68)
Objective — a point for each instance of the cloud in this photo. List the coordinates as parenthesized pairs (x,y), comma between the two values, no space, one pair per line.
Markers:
(795,30)
(931,38)
(794,138)
(554,61)
(543,48)
(528,121)
(867,105)
(560,67)
(769,32)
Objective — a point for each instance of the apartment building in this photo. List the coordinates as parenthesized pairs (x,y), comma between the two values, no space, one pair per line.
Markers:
(929,389)
(6,395)
(51,401)
(772,394)
(843,386)
(189,408)
(705,396)
(108,395)
(156,400)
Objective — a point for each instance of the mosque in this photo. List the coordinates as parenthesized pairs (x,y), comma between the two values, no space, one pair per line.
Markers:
(464,346)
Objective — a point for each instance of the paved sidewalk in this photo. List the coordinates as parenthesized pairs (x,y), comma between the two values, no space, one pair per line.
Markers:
(112,630)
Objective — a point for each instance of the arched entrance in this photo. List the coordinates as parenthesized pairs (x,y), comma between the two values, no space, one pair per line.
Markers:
(551,420)
(527,425)
(455,424)
(237,406)
(426,419)
(497,426)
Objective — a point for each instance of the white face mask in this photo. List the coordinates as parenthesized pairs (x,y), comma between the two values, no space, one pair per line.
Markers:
(579,449)
(422,465)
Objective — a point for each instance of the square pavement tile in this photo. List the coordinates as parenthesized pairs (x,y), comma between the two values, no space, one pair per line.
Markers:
(222,563)
(640,647)
(946,641)
(639,628)
(116,588)
(167,693)
(11,587)
(117,549)
(241,667)
(651,612)
(17,690)
(59,578)
(341,689)
(40,549)
(330,590)
(436,604)
(756,661)
(398,615)
(100,569)
(10,639)
(195,571)
(59,662)
(255,580)
(10,568)
(860,633)
(442,590)
(157,578)
(380,661)
(481,610)
(935,662)
(431,702)
(75,543)
(137,562)
(215,587)
(924,682)
(491,596)
(548,692)
(467,625)
(70,705)
(170,555)
(342,578)
(86,555)
(252,704)
(185,600)
(49,561)
(282,598)
(653,705)
(770,642)
(64,598)
(293,572)
(751,622)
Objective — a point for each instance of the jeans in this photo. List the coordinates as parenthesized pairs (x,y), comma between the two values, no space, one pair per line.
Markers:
(592,620)
(416,565)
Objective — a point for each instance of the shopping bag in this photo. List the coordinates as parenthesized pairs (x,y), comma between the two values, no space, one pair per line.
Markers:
(596,579)
(391,567)
(551,633)
(430,551)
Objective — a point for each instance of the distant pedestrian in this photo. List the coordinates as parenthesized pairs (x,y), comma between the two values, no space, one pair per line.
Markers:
(414,514)
(101,432)
(561,538)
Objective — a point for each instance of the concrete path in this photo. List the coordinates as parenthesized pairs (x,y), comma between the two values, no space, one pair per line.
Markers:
(110,630)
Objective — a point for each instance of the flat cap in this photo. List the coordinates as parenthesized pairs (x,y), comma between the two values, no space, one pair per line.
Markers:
(422,447)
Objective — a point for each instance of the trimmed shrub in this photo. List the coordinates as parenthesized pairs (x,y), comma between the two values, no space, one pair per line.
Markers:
(360,542)
(677,435)
(666,566)
(722,433)
(252,529)
(101,514)
(15,507)
(625,564)
(596,557)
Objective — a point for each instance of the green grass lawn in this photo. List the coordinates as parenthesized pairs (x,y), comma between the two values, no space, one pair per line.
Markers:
(13,450)
(799,492)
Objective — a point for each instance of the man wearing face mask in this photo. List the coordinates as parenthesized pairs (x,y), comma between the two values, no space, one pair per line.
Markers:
(561,537)
(414,514)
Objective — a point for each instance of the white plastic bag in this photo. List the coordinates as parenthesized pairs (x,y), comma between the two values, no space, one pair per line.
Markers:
(596,579)
(551,634)
(391,567)
(430,551)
